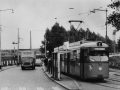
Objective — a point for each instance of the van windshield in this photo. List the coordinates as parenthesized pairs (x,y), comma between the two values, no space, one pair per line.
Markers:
(27,59)
(98,56)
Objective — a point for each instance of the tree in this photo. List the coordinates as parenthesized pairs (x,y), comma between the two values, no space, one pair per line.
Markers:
(118,44)
(54,37)
(114,18)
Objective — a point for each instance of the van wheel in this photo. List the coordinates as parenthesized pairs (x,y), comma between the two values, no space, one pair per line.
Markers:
(33,67)
(22,68)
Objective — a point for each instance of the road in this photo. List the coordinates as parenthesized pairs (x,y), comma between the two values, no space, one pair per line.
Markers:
(17,79)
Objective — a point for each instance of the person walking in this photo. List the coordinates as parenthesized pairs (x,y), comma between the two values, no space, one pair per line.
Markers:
(49,65)
(46,63)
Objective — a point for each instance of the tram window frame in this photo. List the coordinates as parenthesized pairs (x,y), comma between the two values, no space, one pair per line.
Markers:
(62,57)
(77,62)
(71,56)
(65,56)
(78,55)
(104,51)
(74,55)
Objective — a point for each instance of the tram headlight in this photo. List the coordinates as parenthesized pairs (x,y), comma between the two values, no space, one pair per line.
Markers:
(100,68)
(90,67)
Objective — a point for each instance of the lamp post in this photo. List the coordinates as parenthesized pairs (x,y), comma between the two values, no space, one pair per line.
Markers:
(105,23)
(0,34)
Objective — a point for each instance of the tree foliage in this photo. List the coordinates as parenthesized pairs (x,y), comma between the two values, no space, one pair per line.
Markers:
(57,35)
(114,18)
(118,44)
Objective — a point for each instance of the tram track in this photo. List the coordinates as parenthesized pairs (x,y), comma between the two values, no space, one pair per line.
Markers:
(112,82)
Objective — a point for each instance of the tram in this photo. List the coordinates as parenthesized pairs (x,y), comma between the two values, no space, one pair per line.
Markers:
(85,59)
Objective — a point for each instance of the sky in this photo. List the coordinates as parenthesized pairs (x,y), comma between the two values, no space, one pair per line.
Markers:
(38,15)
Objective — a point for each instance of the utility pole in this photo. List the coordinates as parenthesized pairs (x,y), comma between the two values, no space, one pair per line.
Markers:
(0,48)
(18,60)
(0,35)
(30,41)
(105,23)
(18,47)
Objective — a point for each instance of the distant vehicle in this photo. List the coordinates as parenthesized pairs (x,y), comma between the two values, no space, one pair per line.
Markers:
(28,59)
(38,62)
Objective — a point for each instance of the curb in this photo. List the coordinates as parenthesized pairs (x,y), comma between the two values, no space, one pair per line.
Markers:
(79,88)
(55,81)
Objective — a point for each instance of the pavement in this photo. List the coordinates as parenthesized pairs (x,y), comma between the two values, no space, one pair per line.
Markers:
(66,82)
(7,67)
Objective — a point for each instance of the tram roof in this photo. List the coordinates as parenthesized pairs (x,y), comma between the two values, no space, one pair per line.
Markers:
(93,44)
(75,45)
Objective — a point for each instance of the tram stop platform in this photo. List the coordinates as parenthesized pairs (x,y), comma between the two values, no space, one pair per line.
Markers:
(66,82)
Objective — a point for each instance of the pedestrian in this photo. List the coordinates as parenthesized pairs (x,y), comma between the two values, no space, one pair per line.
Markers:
(46,63)
(49,65)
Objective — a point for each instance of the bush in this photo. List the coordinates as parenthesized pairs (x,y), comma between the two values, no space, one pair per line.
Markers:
(114,62)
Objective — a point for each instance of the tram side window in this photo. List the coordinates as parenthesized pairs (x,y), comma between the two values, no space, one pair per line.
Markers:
(98,56)
(65,56)
(74,55)
(78,55)
(62,57)
(71,56)
(78,58)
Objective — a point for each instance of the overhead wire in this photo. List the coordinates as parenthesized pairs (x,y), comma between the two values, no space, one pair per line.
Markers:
(17,28)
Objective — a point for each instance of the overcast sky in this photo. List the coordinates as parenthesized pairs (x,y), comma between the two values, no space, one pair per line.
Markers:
(37,15)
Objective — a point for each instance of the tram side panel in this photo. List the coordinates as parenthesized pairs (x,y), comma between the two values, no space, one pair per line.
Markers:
(96,70)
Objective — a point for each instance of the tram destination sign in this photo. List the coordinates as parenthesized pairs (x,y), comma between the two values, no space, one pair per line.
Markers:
(99,48)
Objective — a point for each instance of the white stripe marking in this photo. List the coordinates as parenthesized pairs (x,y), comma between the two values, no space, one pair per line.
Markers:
(22,88)
(4,88)
(56,88)
(39,88)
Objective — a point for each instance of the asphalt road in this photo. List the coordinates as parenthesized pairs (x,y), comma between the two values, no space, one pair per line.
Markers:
(17,79)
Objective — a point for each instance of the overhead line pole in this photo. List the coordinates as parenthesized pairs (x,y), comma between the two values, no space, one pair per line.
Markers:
(18,47)
(105,23)
(30,41)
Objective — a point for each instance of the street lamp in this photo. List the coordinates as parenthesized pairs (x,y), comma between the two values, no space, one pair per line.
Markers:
(0,33)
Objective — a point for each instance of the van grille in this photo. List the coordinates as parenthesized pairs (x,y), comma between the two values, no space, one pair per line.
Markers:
(26,63)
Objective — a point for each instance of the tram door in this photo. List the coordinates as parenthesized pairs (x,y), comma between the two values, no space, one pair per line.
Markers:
(68,63)
(82,63)
(56,65)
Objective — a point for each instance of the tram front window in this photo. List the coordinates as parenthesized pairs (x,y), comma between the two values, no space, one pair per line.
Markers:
(98,56)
